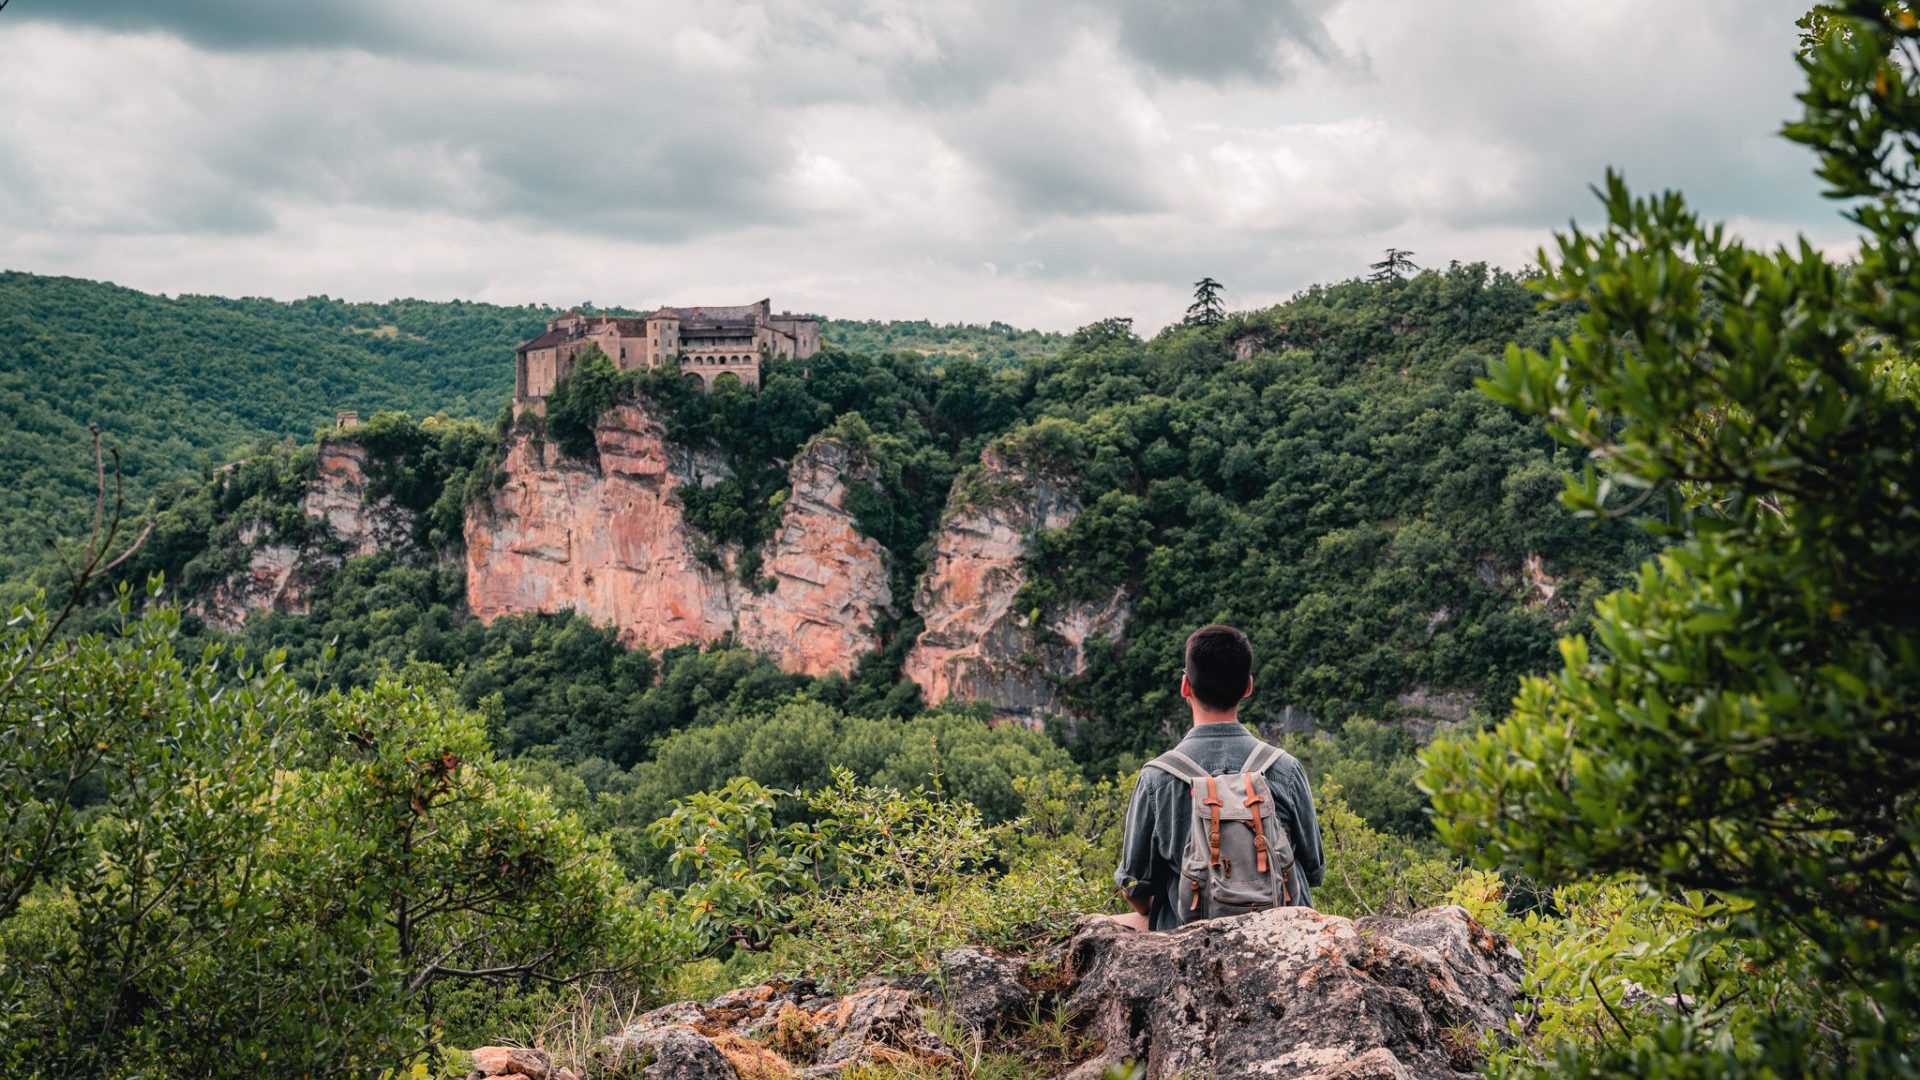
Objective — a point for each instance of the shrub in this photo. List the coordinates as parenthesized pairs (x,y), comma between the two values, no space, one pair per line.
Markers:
(577,402)
(1741,723)
(741,873)
(265,883)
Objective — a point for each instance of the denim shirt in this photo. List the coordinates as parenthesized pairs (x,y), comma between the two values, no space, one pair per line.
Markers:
(1159,815)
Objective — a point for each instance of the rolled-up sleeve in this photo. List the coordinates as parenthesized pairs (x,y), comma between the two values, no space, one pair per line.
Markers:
(1303,824)
(1135,875)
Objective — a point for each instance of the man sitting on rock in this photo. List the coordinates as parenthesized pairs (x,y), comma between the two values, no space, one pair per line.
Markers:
(1223,823)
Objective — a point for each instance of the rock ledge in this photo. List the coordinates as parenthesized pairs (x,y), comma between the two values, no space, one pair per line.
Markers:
(1289,994)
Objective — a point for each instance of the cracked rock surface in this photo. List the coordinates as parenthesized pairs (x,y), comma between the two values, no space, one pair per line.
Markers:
(1288,994)
(1292,993)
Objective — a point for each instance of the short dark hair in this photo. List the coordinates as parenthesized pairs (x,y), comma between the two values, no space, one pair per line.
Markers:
(1219,662)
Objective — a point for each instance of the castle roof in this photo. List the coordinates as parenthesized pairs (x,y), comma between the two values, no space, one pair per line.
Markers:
(722,314)
(725,318)
(551,337)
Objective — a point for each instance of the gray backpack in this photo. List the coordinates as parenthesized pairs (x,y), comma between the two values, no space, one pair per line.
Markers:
(1238,855)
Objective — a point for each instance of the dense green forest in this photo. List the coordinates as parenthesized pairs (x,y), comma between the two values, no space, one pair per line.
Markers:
(180,385)
(996,344)
(1342,492)
(1322,473)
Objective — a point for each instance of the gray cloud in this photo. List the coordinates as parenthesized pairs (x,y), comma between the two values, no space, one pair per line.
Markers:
(1038,161)
(1211,40)
(249,24)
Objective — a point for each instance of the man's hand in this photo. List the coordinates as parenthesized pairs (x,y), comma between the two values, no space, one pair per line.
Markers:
(1137,920)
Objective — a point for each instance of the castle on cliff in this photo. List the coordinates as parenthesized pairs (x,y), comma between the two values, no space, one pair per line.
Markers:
(711,344)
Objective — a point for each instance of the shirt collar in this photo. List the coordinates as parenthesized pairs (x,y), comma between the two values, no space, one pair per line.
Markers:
(1216,731)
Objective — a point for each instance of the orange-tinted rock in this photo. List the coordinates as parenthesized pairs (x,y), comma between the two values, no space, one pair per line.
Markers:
(610,543)
(613,544)
(338,493)
(976,647)
(831,583)
(507,1061)
(265,582)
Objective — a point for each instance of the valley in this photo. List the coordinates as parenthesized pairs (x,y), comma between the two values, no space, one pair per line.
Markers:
(1236,541)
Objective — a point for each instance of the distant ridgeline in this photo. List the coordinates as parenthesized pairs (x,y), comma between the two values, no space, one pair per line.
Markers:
(889,532)
(996,344)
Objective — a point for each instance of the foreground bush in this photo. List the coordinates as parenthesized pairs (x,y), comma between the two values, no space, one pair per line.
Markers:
(209,873)
(1741,730)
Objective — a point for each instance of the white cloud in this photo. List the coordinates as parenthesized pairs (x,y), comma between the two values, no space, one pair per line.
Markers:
(1043,163)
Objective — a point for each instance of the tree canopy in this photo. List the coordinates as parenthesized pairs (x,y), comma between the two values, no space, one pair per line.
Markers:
(1740,725)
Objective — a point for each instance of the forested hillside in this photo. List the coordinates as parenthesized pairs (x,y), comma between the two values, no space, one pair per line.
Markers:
(1322,473)
(181,384)
(1325,475)
(995,344)
(1585,600)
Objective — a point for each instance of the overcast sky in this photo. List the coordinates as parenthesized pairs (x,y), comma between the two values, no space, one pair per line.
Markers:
(1043,163)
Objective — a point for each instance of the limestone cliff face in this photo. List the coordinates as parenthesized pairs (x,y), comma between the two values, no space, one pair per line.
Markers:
(277,573)
(831,584)
(264,582)
(613,544)
(338,495)
(610,543)
(975,645)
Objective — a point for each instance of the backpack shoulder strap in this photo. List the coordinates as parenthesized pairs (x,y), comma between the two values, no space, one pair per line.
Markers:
(1179,766)
(1257,764)
(1262,758)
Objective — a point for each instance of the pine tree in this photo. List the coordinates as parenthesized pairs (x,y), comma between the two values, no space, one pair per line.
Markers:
(1397,263)
(1206,309)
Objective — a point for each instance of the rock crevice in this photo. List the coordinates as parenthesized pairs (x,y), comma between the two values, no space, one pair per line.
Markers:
(976,645)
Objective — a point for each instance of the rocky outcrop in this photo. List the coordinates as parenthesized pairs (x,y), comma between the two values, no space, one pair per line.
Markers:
(338,496)
(1292,993)
(976,646)
(612,543)
(516,1063)
(263,582)
(1528,582)
(1288,993)
(278,573)
(1423,711)
(831,584)
(985,991)
(787,1029)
